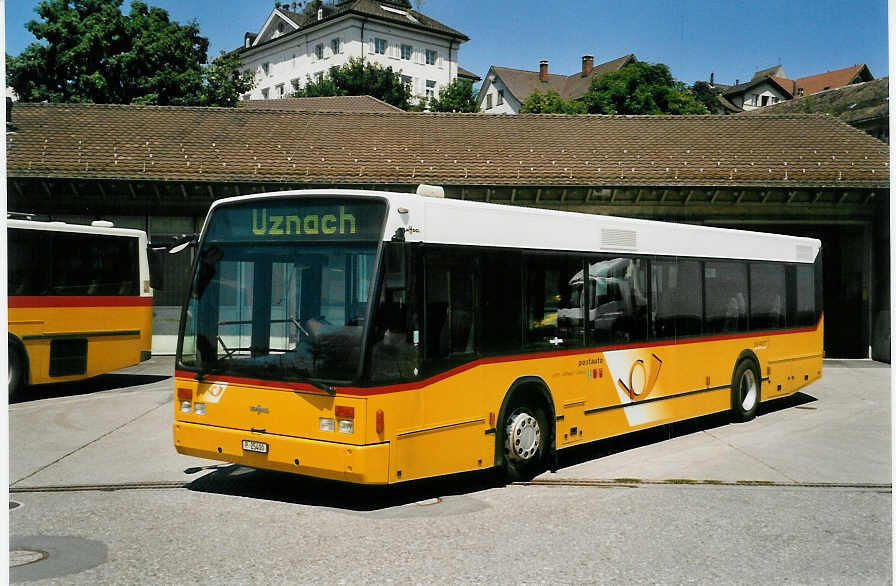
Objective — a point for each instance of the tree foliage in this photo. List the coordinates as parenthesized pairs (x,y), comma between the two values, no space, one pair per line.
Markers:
(706,95)
(455,97)
(550,102)
(359,78)
(90,52)
(641,88)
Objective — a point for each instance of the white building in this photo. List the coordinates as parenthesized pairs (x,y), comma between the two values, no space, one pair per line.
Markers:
(292,47)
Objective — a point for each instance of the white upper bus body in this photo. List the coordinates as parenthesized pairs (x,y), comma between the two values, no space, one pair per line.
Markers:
(100,229)
(462,222)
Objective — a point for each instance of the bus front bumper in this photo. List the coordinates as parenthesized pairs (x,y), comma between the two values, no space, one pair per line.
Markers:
(367,464)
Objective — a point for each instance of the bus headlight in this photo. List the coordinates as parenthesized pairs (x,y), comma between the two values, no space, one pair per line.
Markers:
(327,424)
(346,426)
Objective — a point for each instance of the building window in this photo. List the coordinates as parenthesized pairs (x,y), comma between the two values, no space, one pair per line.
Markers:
(279,27)
(318,77)
(264,94)
(431,57)
(379,46)
(266,67)
(247,96)
(488,102)
(279,90)
(406,51)
(765,100)
(334,46)
(406,80)
(430,89)
(500,97)
(319,50)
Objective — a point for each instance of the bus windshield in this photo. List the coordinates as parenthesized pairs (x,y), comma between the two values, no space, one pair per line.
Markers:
(279,308)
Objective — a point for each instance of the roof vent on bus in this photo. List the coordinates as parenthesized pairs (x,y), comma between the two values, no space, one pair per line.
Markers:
(613,238)
(804,252)
(102,224)
(431,190)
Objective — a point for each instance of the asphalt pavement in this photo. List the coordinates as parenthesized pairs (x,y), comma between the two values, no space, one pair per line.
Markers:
(800,495)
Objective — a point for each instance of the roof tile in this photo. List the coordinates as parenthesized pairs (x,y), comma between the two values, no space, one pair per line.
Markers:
(239,144)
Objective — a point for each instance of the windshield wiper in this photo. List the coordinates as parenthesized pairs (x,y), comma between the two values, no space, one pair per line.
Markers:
(330,390)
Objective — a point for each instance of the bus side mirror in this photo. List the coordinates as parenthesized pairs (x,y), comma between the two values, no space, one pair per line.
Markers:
(183,243)
(156,257)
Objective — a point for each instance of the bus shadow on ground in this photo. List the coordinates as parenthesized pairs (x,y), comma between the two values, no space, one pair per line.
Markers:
(602,448)
(103,382)
(233,480)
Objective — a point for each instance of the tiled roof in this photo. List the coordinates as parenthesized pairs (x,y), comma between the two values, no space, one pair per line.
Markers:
(522,83)
(833,79)
(785,85)
(146,143)
(467,74)
(851,104)
(323,104)
(370,8)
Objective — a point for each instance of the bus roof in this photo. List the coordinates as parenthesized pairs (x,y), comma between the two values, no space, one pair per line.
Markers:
(78,228)
(461,222)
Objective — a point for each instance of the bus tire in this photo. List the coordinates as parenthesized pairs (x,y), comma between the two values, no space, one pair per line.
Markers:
(745,390)
(526,440)
(16,368)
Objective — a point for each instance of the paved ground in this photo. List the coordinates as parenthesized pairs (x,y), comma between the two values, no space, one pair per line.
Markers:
(801,495)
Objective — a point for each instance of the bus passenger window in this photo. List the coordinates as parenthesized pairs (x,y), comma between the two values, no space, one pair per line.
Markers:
(555,302)
(726,297)
(805,296)
(618,313)
(768,296)
(450,313)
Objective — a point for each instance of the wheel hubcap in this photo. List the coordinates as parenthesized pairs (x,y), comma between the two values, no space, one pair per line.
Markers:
(748,390)
(523,436)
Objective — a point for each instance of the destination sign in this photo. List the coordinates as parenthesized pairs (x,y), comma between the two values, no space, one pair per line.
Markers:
(298,220)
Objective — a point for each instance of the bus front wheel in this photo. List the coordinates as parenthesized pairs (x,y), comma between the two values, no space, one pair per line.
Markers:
(16,369)
(745,387)
(525,443)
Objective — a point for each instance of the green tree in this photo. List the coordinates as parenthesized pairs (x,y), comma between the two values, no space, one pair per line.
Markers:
(91,52)
(706,94)
(455,97)
(641,88)
(359,78)
(550,102)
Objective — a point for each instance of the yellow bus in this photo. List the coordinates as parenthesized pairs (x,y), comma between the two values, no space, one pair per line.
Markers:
(80,301)
(379,337)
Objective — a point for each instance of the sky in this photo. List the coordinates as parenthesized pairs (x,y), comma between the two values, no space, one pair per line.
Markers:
(694,38)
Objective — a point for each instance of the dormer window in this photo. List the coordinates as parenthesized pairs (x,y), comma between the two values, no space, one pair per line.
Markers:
(280,27)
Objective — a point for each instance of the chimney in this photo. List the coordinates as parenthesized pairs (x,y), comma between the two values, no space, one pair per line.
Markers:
(712,77)
(543,71)
(587,64)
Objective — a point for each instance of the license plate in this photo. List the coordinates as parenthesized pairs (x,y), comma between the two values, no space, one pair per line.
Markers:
(253,446)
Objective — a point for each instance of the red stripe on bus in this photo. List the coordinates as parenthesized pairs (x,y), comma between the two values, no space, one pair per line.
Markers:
(50,301)
(410,386)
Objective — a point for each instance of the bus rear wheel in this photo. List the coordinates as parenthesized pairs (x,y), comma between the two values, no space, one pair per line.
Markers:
(525,443)
(16,369)
(745,389)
